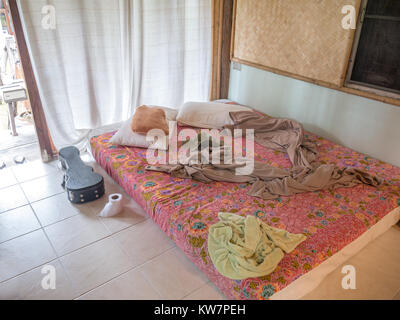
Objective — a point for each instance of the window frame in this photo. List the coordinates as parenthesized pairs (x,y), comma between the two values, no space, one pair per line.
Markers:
(362,86)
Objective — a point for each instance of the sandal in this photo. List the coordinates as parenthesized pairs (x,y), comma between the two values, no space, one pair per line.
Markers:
(19,159)
(26,116)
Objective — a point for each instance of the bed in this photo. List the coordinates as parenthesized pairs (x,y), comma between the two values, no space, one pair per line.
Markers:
(337,223)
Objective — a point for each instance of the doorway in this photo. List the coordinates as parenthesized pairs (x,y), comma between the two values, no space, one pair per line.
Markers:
(22,126)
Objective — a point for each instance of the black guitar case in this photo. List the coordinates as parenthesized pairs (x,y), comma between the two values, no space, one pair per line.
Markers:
(82,184)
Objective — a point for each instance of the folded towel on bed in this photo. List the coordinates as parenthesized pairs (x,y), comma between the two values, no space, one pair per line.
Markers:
(243,248)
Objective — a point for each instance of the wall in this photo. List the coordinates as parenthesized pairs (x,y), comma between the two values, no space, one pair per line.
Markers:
(365,125)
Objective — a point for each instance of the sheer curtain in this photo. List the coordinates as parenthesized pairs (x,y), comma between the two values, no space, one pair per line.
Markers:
(105,57)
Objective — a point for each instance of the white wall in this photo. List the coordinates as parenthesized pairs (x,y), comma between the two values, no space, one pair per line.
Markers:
(365,125)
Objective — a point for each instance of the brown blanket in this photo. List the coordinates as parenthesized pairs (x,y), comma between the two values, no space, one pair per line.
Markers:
(277,134)
(269,182)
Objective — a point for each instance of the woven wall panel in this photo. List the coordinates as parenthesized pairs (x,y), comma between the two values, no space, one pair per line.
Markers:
(301,37)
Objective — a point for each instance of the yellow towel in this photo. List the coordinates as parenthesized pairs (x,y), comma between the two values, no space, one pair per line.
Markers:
(243,248)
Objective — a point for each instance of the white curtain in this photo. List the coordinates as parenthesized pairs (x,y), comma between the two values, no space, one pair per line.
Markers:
(105,57)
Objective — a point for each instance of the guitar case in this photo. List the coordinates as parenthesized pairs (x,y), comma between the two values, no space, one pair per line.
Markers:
(82,184)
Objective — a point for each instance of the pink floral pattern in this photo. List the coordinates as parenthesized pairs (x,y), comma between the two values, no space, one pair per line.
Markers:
(185,209)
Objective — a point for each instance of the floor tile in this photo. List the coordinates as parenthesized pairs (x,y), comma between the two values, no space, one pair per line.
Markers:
(7,178)
(75,232)
(95,264)
(32,170)
(30,151)
(17,222)
(143,241)
(44,187)
(24,253)
(128,217)
(131,214)
(56,165)
(206,292)
(377,272)
(87,157)
(28,286)
(173,275)
(111,187)
(54,209)
(26,132)
(129,286)
(11,198)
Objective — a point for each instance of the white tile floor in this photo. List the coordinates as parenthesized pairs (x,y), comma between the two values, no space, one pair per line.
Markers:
(128,256)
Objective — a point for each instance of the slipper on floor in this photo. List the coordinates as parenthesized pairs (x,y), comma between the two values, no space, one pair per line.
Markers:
(25,116)
(19,159)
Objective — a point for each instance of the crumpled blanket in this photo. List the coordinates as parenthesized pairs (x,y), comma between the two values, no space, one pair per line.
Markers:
(243,248)
(269,182)
(278,134)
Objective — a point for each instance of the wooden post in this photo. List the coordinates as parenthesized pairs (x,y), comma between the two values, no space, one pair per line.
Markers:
(226,48)
(222,16)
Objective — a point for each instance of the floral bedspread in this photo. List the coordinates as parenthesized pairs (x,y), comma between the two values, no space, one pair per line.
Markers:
(184,209)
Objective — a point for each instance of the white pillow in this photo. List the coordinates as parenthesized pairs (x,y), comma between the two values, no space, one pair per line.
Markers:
(209,115)
(126,137)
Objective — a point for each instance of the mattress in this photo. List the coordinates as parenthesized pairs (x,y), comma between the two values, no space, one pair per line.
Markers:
(331,220)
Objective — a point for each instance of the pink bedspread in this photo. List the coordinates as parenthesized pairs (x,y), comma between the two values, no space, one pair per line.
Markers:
(184,209)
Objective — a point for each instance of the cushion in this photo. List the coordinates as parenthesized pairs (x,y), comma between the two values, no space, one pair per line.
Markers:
(149,118)
(126,137)
(170,113)
(209,115)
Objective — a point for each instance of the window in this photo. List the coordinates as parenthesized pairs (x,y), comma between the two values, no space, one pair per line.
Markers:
(375,60)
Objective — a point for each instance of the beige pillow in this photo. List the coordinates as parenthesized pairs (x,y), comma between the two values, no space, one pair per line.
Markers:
(211,115)
(146,119)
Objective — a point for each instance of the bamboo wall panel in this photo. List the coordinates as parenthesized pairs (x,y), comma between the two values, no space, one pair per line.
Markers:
(300,37)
